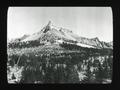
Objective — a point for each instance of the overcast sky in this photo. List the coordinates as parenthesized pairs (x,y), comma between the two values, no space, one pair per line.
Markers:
(88,22)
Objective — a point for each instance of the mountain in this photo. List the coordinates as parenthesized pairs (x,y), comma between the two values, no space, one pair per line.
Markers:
(53,34)
(107,45)
(18,39)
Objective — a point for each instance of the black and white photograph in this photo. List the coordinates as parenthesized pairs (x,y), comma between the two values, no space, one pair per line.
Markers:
(59,45)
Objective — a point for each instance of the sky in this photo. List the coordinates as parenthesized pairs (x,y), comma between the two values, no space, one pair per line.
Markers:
(89,22)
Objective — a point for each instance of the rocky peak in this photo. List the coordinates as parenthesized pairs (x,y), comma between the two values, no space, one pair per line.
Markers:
(49,23)
(65,30)
(52,33)
(96,39)
(48,27)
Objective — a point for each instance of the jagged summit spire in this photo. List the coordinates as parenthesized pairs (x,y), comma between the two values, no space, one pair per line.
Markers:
(96,38)
(49,23)
(48,27)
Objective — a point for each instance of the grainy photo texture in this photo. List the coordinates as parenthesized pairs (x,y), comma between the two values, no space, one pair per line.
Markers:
(59,45)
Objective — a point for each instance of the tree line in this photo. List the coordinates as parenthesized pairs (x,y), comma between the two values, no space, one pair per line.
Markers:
(54,69)
(24,44)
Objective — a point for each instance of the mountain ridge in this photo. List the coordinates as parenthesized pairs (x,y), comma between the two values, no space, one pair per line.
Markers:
(51,33)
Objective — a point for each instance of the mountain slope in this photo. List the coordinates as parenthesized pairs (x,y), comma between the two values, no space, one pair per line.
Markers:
(52,34)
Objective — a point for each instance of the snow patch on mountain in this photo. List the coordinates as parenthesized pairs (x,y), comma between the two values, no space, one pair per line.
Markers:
(84,45)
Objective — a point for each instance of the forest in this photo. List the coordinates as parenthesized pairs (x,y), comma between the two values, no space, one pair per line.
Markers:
(79,65)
